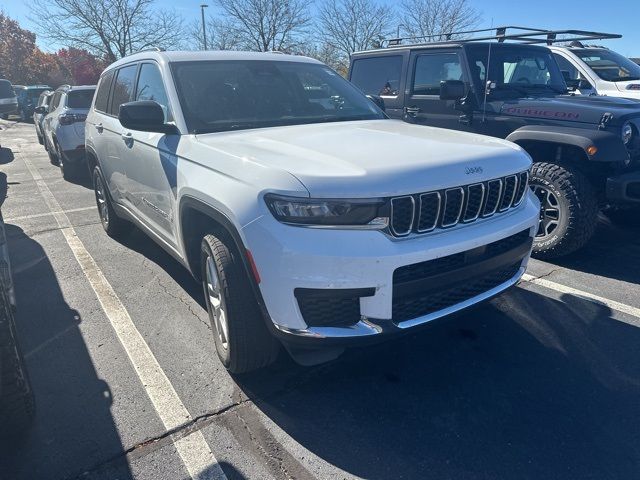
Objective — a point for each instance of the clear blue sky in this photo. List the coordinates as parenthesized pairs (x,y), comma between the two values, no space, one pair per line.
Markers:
(622,16)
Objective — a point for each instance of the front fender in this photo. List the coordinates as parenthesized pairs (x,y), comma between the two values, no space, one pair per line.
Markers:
(609,146)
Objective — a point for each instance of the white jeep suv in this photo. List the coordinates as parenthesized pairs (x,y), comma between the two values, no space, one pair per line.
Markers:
(311,219)
(594,70)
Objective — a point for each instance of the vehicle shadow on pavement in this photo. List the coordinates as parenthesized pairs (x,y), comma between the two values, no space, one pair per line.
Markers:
(6,156)
(73,430)
(525,387)
(613,252)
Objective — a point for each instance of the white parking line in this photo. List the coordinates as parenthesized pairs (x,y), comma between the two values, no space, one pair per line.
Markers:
(612,304)
(47,214)
(193,449)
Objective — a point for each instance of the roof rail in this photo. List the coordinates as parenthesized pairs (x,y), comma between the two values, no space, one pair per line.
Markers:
(525,35)
(151,49)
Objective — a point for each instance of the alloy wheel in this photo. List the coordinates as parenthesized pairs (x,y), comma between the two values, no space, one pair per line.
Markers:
(216,304)
(549,211)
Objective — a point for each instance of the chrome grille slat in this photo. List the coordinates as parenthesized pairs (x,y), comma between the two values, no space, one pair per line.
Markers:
(470,216)
(510,185)
(493,195)
(427,220)
(400,204)
(424,212)
(451,205)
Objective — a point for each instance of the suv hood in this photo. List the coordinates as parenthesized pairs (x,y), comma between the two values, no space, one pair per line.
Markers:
(569,108)
(376,158)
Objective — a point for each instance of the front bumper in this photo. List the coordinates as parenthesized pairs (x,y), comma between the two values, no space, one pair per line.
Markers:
(293,259)
(624,188)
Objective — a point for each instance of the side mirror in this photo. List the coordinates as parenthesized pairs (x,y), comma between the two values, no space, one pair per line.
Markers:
(41,110)
(144,116)
(378,101)
(452,90)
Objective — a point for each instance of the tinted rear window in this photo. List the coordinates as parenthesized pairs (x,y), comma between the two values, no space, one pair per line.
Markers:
(377,75)
(5,89)
(102,96)
(80,98)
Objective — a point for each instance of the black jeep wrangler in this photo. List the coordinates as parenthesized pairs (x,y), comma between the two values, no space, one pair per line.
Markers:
(586,150)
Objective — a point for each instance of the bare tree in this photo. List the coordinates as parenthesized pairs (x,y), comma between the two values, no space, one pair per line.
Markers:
(437,18)
(352,25)
(109,28)
(221,35)
(267,25)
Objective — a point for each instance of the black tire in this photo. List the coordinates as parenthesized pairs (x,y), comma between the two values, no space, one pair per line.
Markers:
(17,403)
(69,170)
(40,139)
(247,344)
(569,192)
(51,152)
(115,226)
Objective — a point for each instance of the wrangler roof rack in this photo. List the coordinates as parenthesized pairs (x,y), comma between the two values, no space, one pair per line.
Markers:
(531,36)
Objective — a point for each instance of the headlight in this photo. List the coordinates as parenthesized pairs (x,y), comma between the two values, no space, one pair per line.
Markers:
(627,133)
(354,213)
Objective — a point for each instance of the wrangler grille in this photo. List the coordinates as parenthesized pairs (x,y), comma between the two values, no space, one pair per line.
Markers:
(428,211)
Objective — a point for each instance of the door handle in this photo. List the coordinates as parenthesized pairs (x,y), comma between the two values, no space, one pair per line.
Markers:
(413,111)
(99,127)
(127,137)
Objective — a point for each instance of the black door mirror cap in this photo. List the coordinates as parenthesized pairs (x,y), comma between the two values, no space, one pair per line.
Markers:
(452,90)
(145,116)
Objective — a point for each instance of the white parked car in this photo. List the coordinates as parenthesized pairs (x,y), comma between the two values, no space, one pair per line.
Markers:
(594,70)
(63,127)
(310,218)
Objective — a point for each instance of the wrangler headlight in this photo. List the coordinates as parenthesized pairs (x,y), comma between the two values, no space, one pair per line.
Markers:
(627,132)
(344,213)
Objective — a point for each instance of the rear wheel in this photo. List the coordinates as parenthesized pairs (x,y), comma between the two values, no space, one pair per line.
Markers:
(112,224)
(51,152)
(242,340)
(69,170)
(568,209)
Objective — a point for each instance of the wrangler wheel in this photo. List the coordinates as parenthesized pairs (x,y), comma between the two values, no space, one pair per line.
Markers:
(568,209)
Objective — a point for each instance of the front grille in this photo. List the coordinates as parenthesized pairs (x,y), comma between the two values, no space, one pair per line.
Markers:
(427,287)
(428,211)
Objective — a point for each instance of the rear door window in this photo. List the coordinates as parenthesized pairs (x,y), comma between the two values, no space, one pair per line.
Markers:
(123,88)
(433,68)
(378,75)
(102,97)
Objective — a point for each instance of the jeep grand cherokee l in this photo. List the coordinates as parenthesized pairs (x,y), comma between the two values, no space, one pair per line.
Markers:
(310,218)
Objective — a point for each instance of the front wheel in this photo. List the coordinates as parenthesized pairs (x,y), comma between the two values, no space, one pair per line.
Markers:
(242,340)
(112,224)
(568,209)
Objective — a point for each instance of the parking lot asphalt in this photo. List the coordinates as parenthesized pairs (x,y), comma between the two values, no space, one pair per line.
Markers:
(542,382)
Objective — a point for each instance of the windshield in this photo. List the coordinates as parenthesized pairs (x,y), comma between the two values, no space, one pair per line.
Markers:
(218,96)
(80,98)
(525,71)
(5,89)
(608,65)
(34,93)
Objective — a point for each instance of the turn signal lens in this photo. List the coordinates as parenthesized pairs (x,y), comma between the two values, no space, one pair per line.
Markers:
(592,150)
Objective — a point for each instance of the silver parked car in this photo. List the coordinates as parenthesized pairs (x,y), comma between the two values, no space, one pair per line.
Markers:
(43,101)
(63,127)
